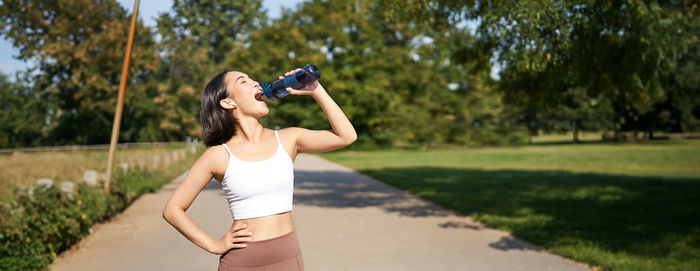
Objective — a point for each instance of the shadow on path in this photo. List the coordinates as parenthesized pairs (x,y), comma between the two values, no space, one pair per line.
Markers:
(644,216)
(509,243)
(649,217)
(338,189)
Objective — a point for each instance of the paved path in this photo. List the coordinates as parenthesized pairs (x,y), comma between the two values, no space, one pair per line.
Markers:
(344,220)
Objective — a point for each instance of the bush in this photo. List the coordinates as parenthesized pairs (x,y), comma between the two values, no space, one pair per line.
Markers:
(47,222)
(37,226)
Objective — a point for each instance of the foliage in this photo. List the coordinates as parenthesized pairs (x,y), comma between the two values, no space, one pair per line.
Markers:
(623,52)
(37,226)
(392,80)
(407,73)
(20,113)
(681,110)
(78,48)
(196,38)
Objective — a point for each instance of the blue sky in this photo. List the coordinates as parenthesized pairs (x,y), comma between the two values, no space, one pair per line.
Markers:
(148,11)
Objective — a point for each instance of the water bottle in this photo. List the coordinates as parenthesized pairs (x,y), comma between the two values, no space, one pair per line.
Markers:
(297,80)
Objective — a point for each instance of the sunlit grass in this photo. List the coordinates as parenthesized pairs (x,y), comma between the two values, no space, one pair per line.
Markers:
(619,206)
(678,158)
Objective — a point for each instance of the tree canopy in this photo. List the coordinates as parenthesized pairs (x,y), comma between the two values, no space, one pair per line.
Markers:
(406,73)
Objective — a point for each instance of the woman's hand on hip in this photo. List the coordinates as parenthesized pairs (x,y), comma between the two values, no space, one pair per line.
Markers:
(236,237)
(306,90)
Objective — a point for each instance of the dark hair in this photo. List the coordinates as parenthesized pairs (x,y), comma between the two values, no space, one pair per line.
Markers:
(218,125)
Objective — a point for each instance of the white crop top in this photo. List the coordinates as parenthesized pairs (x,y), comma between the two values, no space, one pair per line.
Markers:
(260,188)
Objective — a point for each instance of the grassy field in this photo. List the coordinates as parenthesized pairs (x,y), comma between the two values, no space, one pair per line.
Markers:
(24,168)
(618,206)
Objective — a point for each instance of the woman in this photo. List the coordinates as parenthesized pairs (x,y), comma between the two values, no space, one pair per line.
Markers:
(255,167)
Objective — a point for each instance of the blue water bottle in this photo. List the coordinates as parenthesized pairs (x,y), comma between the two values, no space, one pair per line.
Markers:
(298,80)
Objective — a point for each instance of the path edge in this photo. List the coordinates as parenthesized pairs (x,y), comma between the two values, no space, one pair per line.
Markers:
(75,248)
(456,214)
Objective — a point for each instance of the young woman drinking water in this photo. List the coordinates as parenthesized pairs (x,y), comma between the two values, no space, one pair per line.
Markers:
(255,167)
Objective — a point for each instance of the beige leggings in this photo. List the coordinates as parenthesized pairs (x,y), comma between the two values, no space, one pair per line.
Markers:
(279,253)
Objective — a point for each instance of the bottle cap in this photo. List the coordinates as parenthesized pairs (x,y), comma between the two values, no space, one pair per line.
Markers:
(267,90)
(313,70)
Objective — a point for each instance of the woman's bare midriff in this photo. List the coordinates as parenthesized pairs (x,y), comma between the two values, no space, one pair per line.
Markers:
(268,227)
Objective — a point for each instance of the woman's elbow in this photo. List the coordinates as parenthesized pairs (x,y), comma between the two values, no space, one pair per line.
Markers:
(350,139)
(168,213)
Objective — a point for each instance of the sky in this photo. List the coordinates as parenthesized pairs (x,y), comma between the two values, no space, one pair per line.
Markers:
(148,11)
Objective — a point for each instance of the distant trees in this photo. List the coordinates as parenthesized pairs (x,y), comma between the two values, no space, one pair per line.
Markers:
(405,72)
(78,48)
(22,114)
(195,40)
(397,82)
(375,70)
(621,53)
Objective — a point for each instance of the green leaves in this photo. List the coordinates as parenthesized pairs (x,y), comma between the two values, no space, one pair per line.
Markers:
(619,50)
(405,72)
(196,39)
(79,48)
(393,88)
(22,113)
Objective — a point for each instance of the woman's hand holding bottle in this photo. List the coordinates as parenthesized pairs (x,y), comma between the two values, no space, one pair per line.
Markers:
(306,90)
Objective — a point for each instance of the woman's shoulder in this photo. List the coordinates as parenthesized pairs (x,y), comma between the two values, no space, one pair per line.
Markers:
(213,153)
(214,159)
(292,130)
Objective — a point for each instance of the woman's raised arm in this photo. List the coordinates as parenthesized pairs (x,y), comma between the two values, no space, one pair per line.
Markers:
(342,133)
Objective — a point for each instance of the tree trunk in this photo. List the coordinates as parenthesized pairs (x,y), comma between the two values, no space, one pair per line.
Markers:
(576,133)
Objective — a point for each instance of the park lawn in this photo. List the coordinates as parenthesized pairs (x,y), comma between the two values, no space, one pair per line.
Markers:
(617,206)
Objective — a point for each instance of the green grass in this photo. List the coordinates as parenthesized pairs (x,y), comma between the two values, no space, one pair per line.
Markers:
(631,206)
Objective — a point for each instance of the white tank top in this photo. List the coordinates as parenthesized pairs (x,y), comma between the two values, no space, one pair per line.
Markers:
(260,188)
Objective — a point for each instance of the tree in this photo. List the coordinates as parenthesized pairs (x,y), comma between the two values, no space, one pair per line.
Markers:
(619,49)
(196,39)
(22,115)
(391,84)
(78,46)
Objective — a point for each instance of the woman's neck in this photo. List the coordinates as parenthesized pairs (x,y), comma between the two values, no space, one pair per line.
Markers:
(250,130)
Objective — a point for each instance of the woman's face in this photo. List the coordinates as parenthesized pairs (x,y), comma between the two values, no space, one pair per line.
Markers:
(243,91)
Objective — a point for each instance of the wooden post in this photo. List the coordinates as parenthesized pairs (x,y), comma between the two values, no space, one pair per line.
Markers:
(120,99)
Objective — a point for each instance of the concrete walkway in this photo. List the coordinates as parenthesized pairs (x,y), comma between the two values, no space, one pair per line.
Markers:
(344,220)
